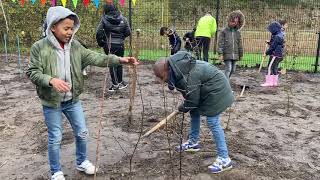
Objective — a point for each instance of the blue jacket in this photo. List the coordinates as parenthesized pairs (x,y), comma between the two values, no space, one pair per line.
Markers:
(174,39)
(277,39)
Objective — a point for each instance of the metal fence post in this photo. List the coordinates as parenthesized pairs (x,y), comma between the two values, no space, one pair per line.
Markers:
(5,43)
(130,24)
(318,52)
(217,20)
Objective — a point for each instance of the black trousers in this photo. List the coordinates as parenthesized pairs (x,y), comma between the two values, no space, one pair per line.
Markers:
(116,73)
(203,44)
(273,65)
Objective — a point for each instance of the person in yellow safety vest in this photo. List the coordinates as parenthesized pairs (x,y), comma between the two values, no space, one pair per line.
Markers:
(206,29)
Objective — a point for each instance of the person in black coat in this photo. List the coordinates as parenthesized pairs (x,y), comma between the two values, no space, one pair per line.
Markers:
(190,40)
(112,31)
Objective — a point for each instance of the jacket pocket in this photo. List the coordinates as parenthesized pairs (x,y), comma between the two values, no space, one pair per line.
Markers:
(45,93)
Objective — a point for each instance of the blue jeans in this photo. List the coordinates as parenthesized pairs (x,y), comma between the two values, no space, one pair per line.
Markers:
(216,130)
(230,67)
(53,119)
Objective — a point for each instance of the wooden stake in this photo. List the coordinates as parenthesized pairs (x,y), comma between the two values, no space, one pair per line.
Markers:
(5,17)
(100,125)
(263,57)
(161,123)
(134,79)
(244,88)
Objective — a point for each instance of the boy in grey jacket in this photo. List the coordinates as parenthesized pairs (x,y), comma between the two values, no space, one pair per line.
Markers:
(230,47)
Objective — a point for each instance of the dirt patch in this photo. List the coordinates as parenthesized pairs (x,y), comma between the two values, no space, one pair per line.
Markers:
(274,133)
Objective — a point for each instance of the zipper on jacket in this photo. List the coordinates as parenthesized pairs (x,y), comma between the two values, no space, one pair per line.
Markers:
(65,72)
(233,45)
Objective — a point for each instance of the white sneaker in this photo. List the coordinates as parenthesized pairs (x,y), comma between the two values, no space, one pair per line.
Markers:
(221,164)
(122,85)
(87,167)
(58,176)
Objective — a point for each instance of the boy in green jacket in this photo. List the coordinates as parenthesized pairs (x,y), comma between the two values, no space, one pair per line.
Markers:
(206,29)
(56,62)
(207,92)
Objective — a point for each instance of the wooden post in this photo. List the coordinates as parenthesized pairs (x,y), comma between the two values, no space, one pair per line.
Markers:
(134,78)
(161,123)
(263,57)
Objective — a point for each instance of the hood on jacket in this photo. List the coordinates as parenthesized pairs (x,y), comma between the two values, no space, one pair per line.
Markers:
(237,14)
(54,15)
(110,9)
(113,19)
(111,14)
(274,27)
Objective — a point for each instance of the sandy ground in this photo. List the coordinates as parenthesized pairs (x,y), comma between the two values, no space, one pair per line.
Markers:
(273,133)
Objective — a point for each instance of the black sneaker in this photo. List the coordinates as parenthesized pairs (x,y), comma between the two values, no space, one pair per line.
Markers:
(113,88)
(122,85)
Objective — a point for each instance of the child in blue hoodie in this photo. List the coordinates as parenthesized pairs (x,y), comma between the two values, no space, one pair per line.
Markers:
(174,39)
(275,52)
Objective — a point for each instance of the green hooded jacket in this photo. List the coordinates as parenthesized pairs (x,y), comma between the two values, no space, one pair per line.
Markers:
(204,87)
(43,67)
(49,60)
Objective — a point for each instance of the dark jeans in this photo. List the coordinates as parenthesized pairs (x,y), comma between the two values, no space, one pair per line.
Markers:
(116,72)
(176,48)
(273,65)
(203,44)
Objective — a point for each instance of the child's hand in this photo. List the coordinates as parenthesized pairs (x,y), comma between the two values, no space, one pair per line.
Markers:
(60,85)
(170,46)
(129,60)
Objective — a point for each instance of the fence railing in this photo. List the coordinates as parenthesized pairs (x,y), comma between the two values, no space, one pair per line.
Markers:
(303,17)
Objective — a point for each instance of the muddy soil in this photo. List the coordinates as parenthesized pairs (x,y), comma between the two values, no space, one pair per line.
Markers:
(273,133)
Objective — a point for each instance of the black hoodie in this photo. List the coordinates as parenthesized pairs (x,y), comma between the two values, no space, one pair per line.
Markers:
(113,25)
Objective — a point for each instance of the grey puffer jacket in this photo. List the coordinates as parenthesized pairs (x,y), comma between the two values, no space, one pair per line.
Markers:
(230,41)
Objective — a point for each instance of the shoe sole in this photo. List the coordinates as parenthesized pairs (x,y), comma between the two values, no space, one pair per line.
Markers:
(123,87)
(83,170)
(224,169)
(192,150)
(113,90)
(188,150)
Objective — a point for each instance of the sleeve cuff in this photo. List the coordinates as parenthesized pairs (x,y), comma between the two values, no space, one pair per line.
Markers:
(113,60)
(46,80)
